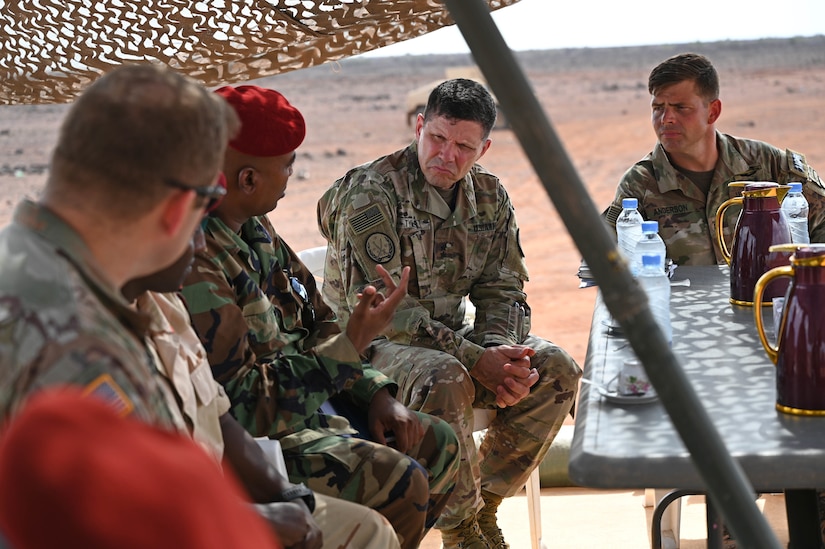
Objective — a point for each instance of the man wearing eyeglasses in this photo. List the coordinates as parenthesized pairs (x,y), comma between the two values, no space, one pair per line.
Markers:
(136,164)
(279,352)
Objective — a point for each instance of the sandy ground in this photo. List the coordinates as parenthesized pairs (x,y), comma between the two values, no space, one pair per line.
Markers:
(596,100)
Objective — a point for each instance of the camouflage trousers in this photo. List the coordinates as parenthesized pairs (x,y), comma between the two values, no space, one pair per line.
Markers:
(410,490)
(517,439)
(347,525)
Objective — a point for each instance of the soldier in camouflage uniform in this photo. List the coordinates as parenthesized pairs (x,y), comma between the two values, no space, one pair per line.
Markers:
(431,208)
(135,165)
(280,354)
(682,183)
(201,407)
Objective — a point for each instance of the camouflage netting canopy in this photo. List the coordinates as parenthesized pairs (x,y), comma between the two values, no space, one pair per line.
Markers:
(51,49)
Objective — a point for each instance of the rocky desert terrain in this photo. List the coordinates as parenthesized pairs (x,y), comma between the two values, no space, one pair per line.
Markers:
(596,100)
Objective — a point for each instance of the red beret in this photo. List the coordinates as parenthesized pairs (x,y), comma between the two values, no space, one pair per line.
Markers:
(270,125)
(74,473)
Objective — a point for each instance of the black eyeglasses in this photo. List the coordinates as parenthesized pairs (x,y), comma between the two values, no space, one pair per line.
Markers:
(213,193)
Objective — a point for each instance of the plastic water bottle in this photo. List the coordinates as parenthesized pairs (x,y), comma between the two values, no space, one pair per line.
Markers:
(795,208)
(650,243)
(629,228)
(657,287)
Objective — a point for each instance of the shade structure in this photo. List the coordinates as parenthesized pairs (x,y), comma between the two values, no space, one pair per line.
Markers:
(50,50)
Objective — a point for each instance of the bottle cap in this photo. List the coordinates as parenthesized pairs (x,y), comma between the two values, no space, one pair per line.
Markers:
(796,187)
(650,260)
(630,203)
(650,226)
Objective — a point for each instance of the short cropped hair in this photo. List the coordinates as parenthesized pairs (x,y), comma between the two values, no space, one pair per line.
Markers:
(686,66)
(132,129)
(462,99)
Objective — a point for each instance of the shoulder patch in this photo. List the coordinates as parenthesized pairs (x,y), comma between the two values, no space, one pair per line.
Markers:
(365,220)
(797,163)
(379,247)
(105,388)
(612,214)
(813,177)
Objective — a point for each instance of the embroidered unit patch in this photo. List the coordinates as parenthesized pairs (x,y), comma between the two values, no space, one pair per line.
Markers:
(380,247)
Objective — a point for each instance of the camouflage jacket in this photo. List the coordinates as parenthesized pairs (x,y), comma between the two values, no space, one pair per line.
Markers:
(62,323)
(271,340)
(385,212)
(687,217)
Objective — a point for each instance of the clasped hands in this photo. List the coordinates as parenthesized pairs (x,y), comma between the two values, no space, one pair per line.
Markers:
(506,371)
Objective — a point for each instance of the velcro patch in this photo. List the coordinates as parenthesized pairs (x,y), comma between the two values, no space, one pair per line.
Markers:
(813,177)
(105,388)
(613,213)
(366,220)
(797,163)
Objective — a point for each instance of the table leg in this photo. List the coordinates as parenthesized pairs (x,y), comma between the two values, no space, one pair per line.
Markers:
(803,519)
(715,526)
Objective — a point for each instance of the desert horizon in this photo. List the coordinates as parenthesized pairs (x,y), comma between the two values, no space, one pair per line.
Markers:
(596,100)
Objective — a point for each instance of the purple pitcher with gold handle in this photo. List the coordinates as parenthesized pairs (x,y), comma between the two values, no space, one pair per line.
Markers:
(799,352)
(760,225)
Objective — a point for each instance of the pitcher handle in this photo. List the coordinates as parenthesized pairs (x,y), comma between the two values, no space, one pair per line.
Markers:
(720,233)
(758,290)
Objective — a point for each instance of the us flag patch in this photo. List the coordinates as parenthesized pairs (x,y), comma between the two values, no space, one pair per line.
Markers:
(366,220)
(105,388)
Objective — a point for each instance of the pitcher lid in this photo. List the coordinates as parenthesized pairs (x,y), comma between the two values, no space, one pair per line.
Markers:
(757,185)
(805,251)
(803,255)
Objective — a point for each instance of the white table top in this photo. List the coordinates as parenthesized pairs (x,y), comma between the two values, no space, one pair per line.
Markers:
(636,446)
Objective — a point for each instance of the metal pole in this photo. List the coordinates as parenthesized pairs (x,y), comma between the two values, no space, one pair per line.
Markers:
(726,483)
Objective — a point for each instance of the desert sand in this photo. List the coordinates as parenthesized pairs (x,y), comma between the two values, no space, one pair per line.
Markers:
(596,99)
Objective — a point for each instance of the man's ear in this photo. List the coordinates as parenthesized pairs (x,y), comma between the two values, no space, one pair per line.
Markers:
(175,209)
(485,147)
(247,179)
(714,110)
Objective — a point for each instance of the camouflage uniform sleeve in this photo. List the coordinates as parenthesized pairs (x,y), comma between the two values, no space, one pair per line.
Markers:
(502,313)
(273,394)
(814,191)
(326,328)
(631,185)
(101,371)
(350,213)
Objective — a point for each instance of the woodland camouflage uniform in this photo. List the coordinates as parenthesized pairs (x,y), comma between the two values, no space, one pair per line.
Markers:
(386,213)
(687,217)
(277,349)
(202,401)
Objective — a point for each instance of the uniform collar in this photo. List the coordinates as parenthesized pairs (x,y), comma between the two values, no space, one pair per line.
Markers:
(668,178)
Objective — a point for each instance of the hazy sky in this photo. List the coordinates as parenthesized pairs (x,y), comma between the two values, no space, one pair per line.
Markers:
(551,24)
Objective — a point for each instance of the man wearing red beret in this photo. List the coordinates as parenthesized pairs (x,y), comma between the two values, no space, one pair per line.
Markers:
(280,354)
(301,518)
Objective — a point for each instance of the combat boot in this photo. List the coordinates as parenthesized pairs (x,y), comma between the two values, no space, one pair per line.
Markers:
(464,536)
(487,521)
